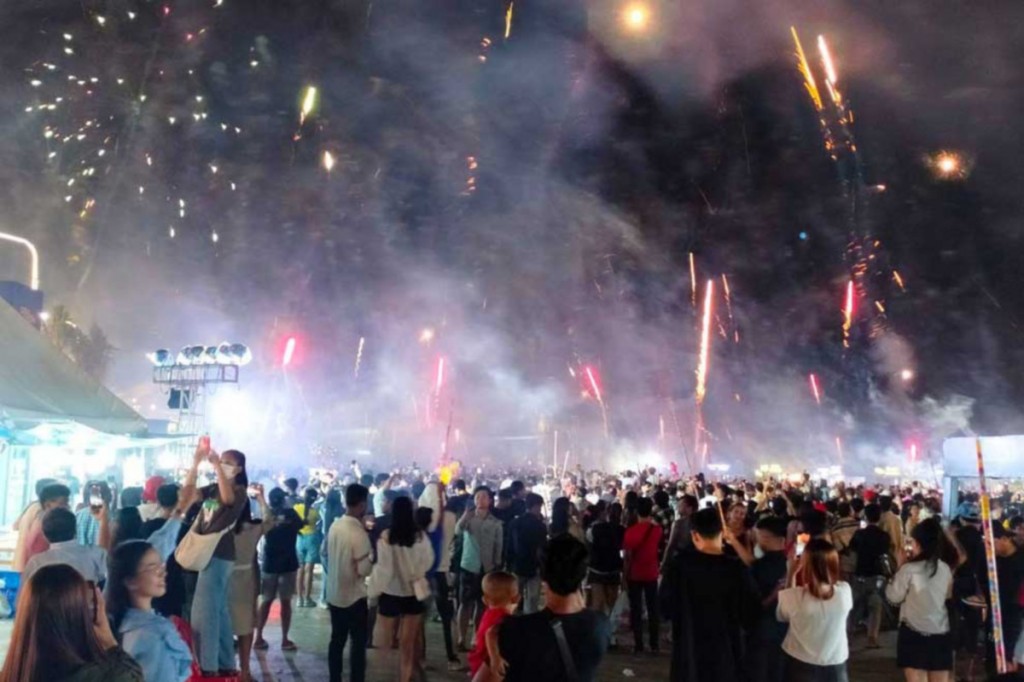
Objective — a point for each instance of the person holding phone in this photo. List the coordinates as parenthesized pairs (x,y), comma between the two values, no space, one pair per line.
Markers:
(61,632)
(222,505)
(92,520)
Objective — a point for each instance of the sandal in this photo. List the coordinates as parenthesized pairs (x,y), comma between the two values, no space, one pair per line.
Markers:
(289,645)
(260,645)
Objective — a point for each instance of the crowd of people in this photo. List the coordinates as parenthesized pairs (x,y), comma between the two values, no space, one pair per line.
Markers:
(528,575)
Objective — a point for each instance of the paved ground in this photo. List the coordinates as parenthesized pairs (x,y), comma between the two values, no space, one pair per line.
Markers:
(311,631)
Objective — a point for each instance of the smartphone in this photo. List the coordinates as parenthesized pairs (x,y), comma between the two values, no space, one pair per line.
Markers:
(204,442)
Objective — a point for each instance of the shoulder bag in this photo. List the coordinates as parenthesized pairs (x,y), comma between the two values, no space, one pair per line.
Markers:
(195,550)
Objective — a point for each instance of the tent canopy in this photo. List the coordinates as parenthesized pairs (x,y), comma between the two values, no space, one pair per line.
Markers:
(39,385)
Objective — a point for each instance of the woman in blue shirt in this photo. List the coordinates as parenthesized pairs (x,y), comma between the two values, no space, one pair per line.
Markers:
(138,575)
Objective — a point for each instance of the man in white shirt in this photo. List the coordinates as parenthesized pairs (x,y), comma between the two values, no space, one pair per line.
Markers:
(59,530)
(348,565)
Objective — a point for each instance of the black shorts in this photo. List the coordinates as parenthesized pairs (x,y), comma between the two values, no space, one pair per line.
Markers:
(472,587)
(923,652)
(391,606)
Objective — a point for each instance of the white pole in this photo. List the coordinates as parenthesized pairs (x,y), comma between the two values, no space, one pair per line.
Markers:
(33,255)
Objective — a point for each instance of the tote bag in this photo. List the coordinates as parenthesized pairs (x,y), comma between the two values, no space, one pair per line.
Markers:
(195,551)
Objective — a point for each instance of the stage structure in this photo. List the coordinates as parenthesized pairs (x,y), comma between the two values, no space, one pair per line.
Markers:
(192,375)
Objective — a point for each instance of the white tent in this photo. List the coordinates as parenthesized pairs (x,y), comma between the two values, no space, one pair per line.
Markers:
(39,385)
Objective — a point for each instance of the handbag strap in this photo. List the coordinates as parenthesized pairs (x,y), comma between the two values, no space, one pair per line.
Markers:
(564,653)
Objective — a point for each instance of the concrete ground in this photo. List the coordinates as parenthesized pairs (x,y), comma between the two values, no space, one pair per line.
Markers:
(311,631)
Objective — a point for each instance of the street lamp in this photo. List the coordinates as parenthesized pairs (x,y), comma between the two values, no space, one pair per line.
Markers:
(33,256)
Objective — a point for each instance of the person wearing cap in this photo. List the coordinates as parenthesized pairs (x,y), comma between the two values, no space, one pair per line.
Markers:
(150,507)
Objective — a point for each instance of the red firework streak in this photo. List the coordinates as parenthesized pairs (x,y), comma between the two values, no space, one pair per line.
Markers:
(814,389)
(595,390)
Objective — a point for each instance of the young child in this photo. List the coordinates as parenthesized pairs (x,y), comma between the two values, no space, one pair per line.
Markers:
(501,596)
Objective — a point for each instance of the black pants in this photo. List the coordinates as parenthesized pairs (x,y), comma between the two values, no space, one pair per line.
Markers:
(439,581)
(638,593)
(352,621)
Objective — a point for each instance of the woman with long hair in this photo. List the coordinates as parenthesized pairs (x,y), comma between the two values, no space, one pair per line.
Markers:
(137,576)
(308,545)
(562,520)
(816,607)
(62,634)
(222,505)
(404,556)
(922,586)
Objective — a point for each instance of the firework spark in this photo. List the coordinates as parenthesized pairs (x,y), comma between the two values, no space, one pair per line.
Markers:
(328,161)
(308,103)
(359,355)
(805,70)
(839,448)
(814,389)
(949,165)
(826,60)
(848,312)
(705,343)
(508,20)
(728,308)
(899,280)
(439,384)
(594,387)
(693,282)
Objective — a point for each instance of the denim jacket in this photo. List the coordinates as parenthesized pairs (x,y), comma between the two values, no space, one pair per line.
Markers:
(154,642)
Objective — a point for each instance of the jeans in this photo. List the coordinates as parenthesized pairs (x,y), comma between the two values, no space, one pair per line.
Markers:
(529,592)
(211,618)
(640,591)
(323,579)
(345,622)
(867,602)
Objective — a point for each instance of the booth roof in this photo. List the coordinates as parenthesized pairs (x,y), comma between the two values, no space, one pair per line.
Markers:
(39,385)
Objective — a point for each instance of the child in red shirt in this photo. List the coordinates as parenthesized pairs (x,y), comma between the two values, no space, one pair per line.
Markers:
(501,596)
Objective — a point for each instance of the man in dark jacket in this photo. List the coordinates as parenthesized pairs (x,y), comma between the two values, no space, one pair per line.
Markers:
(713,605)
(527,535)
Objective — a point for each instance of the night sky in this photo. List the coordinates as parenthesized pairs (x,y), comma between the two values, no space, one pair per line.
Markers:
(535,200)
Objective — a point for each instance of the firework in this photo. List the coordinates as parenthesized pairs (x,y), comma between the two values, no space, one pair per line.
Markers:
(508,19)
(948,165)
(308,104)
(839,448)
(814,389)
(805,70)
(439,384)
(328,161)
(705,343)
(848,312)
(359,355)
(728,307)
(899,280)
(693,282)
(595,389)
(636,17)
(826,59)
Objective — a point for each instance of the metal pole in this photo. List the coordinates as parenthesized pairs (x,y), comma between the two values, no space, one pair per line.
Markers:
(33,256)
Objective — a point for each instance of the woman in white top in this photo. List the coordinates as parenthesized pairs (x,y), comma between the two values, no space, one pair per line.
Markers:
(404,556)
(924,645)
(816,609)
